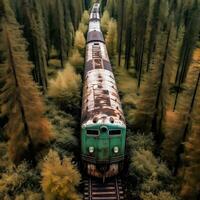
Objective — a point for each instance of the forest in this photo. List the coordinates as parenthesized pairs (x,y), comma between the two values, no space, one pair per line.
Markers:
(154,49)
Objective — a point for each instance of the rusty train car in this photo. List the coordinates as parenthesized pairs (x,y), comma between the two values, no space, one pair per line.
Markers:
(103,128)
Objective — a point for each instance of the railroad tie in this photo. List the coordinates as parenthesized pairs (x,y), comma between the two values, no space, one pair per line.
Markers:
(96,190)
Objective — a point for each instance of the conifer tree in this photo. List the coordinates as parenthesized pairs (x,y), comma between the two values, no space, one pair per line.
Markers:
(87,4)
(65,89)
(45,14)
(60,30)
(180,121)
(69,26)
(120,27)
(187,103)
(111,38)
(146,107)
(27,129)
(79,40)
(105,21)
(188,45)
(140,36)
(32,20)
(76,9)
(154,29)
(191,174)
(112,8)
(130,23)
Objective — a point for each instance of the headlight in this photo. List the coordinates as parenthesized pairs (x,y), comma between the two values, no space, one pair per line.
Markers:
(116,149)
(91,149)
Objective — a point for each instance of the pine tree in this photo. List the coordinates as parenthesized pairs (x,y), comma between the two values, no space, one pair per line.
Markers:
(76,12)
(173,147)
(27,129)
(154,30)
(159,104)
(189,42)
(79,40)
(45,14)
(120,27)
(87,4)
(105,21)
(112,8)
(191,175)
(32,20)
(69,26)
(130,22)
(65,89)
(140,36)
(60,31)
(111,38)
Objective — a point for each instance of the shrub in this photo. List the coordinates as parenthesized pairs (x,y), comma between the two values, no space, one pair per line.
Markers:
(59,178)
(105,21)
(85,17)
(141,141)
(59,118)
(152,184)
(16,179)
(65,141)
(160,196)
(83,27)
(64,127)
(77,60)
(65,89)
(145,165)
(4,160)
(111,38)
(152,174)
(79,41)
(29,195)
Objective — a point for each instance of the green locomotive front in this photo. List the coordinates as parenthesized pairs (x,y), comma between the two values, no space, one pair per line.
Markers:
(103,149)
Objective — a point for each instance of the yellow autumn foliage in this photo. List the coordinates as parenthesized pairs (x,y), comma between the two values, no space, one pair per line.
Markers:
(83,27)
(65,88)
(79,41)
(76,59)
(105,21)
(111,38)
(59,178)
(85,17)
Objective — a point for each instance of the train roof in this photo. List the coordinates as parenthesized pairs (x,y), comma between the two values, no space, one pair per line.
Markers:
(101,102)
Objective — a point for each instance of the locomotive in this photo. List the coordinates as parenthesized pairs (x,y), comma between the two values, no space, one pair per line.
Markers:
(103,128)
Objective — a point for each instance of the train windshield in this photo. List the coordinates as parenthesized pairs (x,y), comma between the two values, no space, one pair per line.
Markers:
(92,132)
(115,132)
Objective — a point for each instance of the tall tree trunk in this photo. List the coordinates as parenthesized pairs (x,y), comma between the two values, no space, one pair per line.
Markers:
(159,98)
(120,30)
(153,34)
(129,36)
(181,146)
(141,27)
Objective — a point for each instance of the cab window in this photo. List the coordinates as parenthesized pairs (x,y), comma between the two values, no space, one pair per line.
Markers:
(115,132)
(92,132)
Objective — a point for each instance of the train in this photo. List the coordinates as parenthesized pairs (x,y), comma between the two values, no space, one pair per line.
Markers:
(103,127)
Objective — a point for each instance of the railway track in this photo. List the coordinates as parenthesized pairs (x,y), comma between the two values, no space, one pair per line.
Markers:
(95,189)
